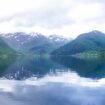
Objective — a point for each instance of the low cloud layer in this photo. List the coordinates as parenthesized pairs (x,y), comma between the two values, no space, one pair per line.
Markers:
(66,17)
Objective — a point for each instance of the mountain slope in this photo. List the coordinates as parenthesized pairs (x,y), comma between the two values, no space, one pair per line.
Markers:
(16,40)
(39,45)
(92,41)
(58,41)
(33,42)
(5,49)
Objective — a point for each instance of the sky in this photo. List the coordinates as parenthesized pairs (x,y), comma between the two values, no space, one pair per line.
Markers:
(68,18)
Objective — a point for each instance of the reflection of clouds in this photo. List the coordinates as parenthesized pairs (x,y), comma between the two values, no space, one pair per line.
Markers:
(61,89)
(54,94)
(68,78)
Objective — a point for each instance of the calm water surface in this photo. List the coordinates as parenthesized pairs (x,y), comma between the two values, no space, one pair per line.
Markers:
(52,81)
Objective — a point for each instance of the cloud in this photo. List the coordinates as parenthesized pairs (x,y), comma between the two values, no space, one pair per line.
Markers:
(68,17)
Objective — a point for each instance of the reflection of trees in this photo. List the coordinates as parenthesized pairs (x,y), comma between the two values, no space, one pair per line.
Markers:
(5,62)
(86,68)
(102,53)
(31,66)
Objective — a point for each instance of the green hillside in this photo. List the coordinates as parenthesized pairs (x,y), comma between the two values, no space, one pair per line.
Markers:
(33,43)
(92,41)
(39,45)
(5,49)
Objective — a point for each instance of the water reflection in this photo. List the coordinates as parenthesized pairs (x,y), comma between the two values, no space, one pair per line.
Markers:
(88,68)
(65,89)
(52,81)
(26,67)
(5,63)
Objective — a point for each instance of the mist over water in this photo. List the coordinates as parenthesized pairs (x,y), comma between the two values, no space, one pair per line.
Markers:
(53,81)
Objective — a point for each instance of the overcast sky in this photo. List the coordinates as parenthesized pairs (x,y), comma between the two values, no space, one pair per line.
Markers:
(63,17)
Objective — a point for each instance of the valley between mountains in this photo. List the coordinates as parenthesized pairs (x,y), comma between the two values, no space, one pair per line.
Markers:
(91,44)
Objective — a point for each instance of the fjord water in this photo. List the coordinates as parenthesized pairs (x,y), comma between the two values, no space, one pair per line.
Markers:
(52,81)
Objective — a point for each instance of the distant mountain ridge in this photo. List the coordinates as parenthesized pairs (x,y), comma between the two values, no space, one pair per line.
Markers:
(33,42)
(58,41)
(92,41)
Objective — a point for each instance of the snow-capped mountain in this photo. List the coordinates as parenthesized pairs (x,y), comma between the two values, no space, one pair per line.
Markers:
(58,40)
(33,42)
(19,37)
(18,40)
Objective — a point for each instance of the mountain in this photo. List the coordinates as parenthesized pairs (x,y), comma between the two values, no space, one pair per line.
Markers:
(92,41)
(5,49)
(33,42)
(58,41)
(40,45)
(17,40)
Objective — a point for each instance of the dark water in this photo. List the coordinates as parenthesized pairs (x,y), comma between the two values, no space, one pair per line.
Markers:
(52,81)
